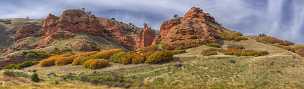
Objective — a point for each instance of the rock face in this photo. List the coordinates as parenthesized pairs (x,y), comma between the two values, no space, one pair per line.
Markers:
(189,31)
(73,22)
(27,30)
(146,37)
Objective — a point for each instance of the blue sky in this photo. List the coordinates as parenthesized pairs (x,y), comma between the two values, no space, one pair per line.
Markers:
(280,18)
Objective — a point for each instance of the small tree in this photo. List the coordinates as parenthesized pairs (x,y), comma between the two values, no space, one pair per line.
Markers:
(35,77)
(175,16)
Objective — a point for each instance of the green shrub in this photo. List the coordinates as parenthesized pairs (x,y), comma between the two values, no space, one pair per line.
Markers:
(272,40)
(126,58)
(35,77)
(209,52)
(27,64)
(35,54)
(233,36)
(21,65)
(177,51)
(244,52)
(13,73)
(215,45)
(117,56)
(12,66)
(96,64)
(159,57)
(234,46)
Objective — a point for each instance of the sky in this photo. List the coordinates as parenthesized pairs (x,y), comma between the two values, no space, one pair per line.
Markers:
(280,18)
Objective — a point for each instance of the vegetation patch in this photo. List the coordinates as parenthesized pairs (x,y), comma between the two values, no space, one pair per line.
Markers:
(215,45)
(159,57)
(21,65)
(15,73)
(96,64)
(209,52)
(263,38)
(35,54)
(232,36)
(244,52)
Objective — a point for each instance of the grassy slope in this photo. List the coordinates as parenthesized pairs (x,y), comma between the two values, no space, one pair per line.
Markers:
(279,70)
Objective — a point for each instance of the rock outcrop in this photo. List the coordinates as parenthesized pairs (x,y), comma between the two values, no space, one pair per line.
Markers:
(73,22)
(27,30)
(191,30)
(145,37)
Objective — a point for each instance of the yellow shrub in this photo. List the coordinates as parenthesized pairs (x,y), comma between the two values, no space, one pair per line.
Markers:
(137,58)
(244,52)
(117,56)
(105,54)
(58,60)
(126,58)
(80,58)
(96,64)
(159,57)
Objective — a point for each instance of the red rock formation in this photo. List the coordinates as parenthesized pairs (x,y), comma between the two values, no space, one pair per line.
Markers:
(27,30)
(189,31)
(121,33)
(71,21)
(145,38)
(76,21)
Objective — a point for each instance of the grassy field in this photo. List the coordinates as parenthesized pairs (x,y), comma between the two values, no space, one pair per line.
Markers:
(280,69)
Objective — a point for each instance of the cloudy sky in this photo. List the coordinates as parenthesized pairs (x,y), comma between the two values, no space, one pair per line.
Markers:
(280,18)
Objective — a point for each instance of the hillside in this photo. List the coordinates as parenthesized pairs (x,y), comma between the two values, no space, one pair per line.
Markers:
(79,50)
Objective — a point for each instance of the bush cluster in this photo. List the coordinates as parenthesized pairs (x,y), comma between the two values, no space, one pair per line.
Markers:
(159,57)
(21,65)
(215,45)
(272,40)
(233,36)
(244,52)
(130,58)
(48,62)
(80,58)
(35,54)
(209,52)
(96,64)
(106,54)
(117,57)
(13,73)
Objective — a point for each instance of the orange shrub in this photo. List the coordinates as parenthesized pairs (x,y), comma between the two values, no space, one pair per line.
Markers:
(159,57)
(47,62)
(80,58)
(105,54)
(137,58)
(63,61)
(58,60)
(96,64)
